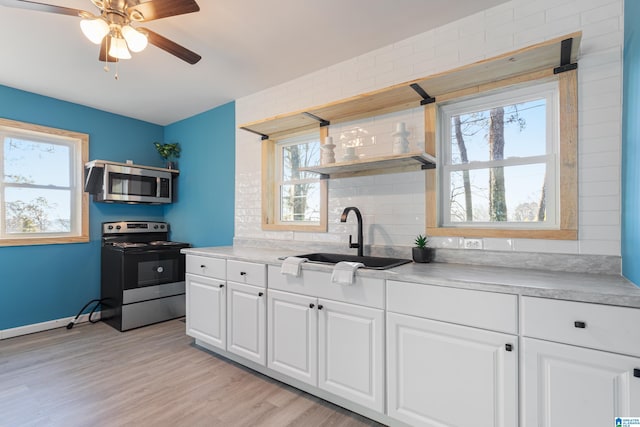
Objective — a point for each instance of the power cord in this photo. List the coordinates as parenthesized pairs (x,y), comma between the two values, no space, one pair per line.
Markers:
(98,303)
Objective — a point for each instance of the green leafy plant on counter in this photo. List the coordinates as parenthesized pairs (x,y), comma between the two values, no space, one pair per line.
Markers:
(421,241)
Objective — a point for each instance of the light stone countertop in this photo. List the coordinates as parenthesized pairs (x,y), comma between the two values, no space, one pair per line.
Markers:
(584,287)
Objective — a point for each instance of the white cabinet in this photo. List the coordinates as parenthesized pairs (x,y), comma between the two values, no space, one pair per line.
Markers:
(206,309)
(246,321)
(590,374)
(441,374)
(444,368)
(565,385)
(336,346)
(350,352)
(292,331)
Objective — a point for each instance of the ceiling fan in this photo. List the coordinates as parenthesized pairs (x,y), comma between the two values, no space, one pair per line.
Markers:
(111,28)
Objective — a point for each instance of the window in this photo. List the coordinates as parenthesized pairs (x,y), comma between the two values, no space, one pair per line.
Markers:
(299,191)
(41,195)
(498,159)
(507,160)
(293,199)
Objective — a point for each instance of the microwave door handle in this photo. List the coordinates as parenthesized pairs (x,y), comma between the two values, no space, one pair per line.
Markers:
(158,181)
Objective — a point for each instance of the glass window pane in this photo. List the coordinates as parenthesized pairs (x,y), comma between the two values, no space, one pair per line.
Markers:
(300,202)
(510,194)
(37,210)
(518,129)
(298,156)
(40,163)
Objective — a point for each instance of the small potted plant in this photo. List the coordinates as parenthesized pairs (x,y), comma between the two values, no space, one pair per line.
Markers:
(169,152)
(421,252)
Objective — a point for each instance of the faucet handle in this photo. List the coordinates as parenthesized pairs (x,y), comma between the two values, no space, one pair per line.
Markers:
(353,245)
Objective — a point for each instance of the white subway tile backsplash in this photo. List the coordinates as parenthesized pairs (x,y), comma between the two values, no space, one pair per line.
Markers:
(394,204)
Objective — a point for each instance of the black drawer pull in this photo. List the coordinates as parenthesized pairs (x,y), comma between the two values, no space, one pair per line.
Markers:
(260,294)
(203,266)
(508,347)
(636,373)
(320,306)
(221,286)
(580,325)
(312,305)
(243,273)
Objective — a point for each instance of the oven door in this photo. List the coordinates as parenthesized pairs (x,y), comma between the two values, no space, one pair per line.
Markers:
(145,268)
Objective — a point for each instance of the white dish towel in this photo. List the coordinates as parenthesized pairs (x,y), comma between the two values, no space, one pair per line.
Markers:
(344,272)
(291,265)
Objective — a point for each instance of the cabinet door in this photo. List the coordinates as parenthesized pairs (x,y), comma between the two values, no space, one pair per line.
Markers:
(564,385)
(246,322)
(441,374)
(350,352)
(206,309)
(292,335)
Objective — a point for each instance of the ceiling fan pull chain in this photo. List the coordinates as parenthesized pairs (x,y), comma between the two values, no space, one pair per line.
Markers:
(117,65)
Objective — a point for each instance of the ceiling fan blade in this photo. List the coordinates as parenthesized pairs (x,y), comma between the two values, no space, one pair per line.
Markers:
(104,56)
(156,9)
(171,47)
(44,7)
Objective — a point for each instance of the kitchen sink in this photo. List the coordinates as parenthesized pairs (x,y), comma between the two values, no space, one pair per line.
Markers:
(371,262)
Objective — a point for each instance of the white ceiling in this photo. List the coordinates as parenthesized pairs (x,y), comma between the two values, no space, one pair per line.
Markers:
(246,46)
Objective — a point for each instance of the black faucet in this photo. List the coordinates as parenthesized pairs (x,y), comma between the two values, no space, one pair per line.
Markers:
(343,218)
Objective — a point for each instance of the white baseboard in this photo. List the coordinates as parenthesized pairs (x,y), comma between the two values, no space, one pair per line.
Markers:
(45,326)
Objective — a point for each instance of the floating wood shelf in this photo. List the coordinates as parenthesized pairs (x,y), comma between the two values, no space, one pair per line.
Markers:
(561,53)
(375,165)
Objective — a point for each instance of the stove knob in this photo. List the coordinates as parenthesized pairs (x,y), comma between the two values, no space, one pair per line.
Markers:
(118,227)
(155,226)
(159,269)
(162,226)
(110,227)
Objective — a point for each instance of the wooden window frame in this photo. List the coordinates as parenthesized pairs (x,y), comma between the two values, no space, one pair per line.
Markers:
(568,156)
(83,198)
(270,210)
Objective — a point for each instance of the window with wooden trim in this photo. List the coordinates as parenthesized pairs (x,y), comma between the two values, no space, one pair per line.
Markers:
(41,195)
(507,163)
(293,199)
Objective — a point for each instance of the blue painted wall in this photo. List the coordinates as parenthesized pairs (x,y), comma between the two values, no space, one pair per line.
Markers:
(631,144)
(46,282)
(203,212)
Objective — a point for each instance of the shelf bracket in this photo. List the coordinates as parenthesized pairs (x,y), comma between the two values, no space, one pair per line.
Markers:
(565,57)
(426,99)
(322,121)
(262,135)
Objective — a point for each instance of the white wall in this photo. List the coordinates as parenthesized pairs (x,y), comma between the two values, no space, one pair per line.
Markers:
(393,205)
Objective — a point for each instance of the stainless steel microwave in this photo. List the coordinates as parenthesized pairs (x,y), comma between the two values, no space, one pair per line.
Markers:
(127,183)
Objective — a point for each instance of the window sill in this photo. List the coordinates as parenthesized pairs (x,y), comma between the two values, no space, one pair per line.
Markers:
(43,241)
(503,233)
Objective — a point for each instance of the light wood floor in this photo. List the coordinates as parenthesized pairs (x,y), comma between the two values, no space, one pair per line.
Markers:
(93,375)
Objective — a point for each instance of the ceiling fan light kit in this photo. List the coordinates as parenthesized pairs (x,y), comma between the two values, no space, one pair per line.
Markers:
(111,28)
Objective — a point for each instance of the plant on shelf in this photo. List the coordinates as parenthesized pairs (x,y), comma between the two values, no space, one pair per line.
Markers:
(421,252)
(169,152)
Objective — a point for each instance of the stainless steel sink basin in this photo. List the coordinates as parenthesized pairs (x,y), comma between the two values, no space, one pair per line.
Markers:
(371,262)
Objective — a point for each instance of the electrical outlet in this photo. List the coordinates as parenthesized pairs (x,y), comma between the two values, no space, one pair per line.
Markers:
(472,244)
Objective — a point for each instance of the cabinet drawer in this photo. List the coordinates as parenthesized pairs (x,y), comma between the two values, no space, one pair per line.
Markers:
(250,273)
(603,327)
(486,310)
(206,266)
(366,291)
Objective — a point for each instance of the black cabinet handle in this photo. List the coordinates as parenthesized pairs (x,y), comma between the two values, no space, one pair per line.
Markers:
(320,306)
(243,273)
(636,373)
(260,294)
(312,305)
(203,266)
(508,347)
(579,324)
(221,286)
